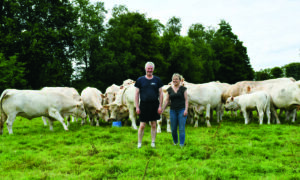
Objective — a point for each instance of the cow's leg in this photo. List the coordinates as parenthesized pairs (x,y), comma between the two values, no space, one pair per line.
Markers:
(274,112)
(132,117)
(168,125)
(44,120)
(68,121)
(208,115)
(261,116)
(268,114)
(159,123)
(56,115)
(245,114)
(50,124)
(10,120)
(97,122)
(294,115)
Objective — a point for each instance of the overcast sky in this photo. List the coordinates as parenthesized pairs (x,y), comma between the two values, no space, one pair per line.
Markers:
(270,29)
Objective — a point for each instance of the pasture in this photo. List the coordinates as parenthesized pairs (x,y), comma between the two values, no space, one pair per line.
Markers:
(230,150)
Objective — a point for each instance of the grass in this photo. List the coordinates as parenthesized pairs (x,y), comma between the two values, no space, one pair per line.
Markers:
(229,151)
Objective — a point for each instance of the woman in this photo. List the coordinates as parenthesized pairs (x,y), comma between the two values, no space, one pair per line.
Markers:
(177,97)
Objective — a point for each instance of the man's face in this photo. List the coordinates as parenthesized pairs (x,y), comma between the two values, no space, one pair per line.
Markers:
(149,70)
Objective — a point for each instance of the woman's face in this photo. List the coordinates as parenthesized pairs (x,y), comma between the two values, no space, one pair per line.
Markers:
(176,80)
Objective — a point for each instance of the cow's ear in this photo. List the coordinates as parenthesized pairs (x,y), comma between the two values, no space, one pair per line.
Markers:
(103,95)
(121,87)
(248,89)
(232,98)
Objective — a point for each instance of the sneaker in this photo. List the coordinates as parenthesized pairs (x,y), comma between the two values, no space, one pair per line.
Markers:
(175,144)
(153,144)
(139,145)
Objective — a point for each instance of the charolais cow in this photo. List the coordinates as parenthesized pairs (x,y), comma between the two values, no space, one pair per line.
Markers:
(259,100)
(92,103)
(110,94)
(124,102)
(35,103)
(68,91)
(204,97)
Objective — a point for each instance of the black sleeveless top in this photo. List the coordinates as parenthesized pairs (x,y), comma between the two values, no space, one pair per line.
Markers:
(177,99)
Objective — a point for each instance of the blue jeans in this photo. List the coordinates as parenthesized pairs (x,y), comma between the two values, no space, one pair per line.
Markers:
(177,119)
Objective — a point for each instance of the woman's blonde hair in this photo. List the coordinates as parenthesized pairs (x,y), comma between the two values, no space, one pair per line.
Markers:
(177,75)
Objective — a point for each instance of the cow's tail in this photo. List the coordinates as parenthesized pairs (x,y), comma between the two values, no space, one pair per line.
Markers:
(4,93)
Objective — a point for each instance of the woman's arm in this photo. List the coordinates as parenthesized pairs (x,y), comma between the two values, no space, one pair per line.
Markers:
(186,103)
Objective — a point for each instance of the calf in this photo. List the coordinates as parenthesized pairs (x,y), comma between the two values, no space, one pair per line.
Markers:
(259,101)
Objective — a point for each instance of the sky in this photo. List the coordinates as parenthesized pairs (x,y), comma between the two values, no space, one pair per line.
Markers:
(269,29)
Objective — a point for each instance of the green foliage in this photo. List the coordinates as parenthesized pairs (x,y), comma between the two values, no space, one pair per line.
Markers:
(276,72)
(292,70)
(232,150)
(40,33)
(263,75)
(232,55)
(11,73)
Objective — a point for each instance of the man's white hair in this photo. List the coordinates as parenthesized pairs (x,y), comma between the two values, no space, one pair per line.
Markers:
(149,64)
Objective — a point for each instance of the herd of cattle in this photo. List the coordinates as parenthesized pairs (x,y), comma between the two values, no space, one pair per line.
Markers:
(117,103)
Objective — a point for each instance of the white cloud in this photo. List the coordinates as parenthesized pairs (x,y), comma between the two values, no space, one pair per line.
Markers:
(269,28)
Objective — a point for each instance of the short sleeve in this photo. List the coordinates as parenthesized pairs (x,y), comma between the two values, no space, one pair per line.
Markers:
(169,90)
(138,83)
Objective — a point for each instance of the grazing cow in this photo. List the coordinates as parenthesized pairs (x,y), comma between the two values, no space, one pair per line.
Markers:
(259,101)
(204,96)
(124,102)
(68,91)
(110,94)
(35,103)
(92,103)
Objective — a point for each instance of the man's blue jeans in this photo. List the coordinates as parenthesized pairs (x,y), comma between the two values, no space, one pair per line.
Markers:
(177,119)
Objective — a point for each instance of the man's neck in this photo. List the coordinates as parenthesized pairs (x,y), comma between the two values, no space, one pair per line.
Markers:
(149,77)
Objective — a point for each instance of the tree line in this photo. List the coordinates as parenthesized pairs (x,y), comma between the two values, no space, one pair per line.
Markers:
(68,43)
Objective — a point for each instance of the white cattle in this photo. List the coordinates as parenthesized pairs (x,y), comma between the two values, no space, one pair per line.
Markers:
(110,94)
(35,103)
(166,114)
(204,97)
(92,103)
(68,91)
(124,102)
(259,101)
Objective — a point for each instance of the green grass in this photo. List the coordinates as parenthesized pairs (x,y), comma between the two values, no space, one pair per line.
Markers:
(229,151)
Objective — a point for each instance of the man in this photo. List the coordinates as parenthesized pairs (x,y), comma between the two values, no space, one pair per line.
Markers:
(149,91)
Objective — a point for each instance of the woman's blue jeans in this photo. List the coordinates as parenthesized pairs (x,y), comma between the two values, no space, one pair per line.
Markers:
(177,119)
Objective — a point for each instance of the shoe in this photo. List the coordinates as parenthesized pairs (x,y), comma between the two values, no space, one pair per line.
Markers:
(153,144)
(175,144)
(139,145)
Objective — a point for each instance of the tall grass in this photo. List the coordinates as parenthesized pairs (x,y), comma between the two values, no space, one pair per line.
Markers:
(230,150)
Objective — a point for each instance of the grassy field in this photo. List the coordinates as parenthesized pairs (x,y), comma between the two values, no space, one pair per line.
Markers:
(230,150)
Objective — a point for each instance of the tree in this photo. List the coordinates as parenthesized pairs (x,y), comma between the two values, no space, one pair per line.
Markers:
(263,74)
(292,70)
(204,54)
(276,72)
(40,33)
(130,41)
(88,33)
(232,55)
(11,73)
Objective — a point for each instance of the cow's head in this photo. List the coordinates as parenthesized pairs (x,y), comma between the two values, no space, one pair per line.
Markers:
(231,104)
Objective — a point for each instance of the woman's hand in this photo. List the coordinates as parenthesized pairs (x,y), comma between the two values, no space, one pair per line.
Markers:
(185,113)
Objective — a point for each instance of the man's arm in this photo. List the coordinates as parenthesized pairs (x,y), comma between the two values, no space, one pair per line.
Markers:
(160,101)
(137,98)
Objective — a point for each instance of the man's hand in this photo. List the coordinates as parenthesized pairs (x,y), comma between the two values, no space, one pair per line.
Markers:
(137,110)
(159,111)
